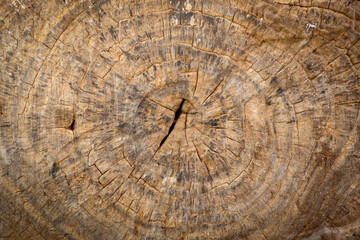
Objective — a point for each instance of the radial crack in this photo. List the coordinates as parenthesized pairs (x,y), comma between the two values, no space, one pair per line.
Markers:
(177,115)
(212,92)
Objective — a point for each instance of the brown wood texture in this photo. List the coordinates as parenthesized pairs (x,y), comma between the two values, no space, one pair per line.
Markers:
(179,119)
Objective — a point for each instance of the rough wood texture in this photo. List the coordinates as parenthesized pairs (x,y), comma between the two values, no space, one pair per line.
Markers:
(169,119)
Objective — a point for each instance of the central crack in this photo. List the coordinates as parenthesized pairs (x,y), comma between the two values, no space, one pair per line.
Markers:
(177,115)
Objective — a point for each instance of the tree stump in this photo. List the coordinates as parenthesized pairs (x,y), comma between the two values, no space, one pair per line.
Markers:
(179,119)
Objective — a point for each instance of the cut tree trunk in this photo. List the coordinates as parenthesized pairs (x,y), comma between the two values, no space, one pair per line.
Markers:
(179,119)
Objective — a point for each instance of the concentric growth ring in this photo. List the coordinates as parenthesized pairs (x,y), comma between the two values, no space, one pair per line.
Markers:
(184,119)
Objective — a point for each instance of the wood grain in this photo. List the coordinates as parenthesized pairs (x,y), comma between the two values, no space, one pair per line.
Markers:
(179,119)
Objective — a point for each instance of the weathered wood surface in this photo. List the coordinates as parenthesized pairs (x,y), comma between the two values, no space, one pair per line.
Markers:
(179,119)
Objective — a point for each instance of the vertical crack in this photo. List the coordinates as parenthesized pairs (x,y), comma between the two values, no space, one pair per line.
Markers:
(177,115)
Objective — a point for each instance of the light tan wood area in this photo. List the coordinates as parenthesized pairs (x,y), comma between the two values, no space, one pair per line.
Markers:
(179,119)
